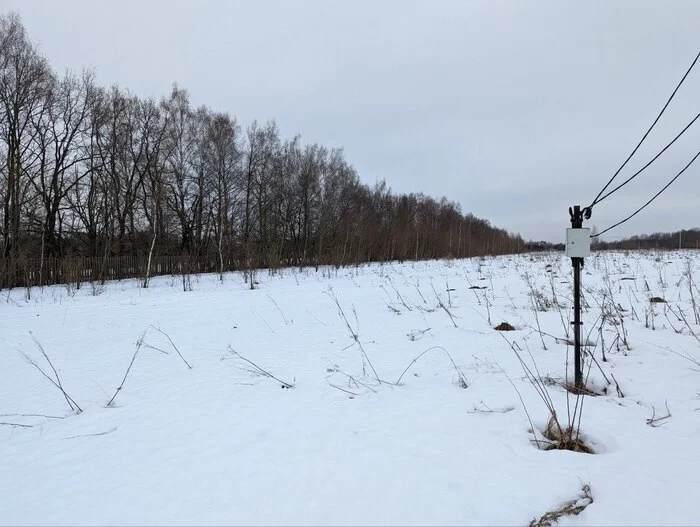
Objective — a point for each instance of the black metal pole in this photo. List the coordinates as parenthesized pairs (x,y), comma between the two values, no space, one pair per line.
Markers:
(578,375)
(577,223)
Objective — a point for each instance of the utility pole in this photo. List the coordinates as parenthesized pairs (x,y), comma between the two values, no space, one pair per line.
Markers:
(578,246)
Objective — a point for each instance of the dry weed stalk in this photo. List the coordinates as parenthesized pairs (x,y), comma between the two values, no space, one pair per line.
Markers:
(658,420)
(172,344)
(461,378)
(55,380)
(692,288)
(139,344)
(443,306)
(258,370)
(681,316)
(570,508)
(354,334)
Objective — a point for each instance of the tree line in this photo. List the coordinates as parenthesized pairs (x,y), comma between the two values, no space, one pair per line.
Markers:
(100,173)
(683,239)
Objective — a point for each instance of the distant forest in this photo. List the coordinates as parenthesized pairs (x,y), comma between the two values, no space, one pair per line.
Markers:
(98,183)
(684,239)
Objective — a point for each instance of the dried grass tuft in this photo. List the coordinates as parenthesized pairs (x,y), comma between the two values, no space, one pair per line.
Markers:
(571,508)
(580,390)
(565,439)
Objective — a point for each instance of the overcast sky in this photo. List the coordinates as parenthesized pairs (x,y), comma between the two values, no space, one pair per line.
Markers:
(516,110)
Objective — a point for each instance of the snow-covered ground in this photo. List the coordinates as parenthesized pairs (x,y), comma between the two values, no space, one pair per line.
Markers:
(222,444)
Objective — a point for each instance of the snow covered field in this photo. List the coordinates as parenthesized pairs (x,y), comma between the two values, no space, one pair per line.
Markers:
(222,443)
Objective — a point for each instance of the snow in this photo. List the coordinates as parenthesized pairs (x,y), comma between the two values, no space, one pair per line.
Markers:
(220,444)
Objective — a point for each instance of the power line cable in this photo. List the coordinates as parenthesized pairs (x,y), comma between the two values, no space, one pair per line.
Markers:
(601,198)
(652,199)
(647,132)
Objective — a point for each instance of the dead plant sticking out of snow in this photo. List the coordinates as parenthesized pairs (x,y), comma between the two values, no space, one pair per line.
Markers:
(354,334)
(564,439)
(253,368)
(139,344)
(556,436)
(461,378)
(570,508)
(55,380)
(580,390)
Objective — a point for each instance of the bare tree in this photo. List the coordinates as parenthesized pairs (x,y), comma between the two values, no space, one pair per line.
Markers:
(60,132)
(24,80)
(263,144)
(89,198)
(184,179)
(154,125)
(223,156)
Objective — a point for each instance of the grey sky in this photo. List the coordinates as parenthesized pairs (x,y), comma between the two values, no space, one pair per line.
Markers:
(516,110)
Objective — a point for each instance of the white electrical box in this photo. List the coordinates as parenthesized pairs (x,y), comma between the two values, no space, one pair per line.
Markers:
(578,243)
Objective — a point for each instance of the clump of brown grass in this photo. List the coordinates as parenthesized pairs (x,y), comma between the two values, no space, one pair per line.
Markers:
(580,390)
(504,326)
(568,438)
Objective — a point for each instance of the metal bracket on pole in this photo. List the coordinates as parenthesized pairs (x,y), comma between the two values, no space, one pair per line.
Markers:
(578,246)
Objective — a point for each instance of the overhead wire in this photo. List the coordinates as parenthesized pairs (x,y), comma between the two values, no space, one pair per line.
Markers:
(652,198)
(639,144)
(601,198)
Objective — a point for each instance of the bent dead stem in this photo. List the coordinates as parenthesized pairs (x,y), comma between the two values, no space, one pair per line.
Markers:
(462,379)
(55,380)
(354,334)
(139,344)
